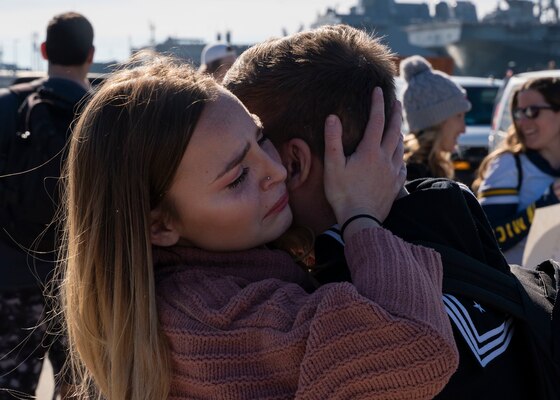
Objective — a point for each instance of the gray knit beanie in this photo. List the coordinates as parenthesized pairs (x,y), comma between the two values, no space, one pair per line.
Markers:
(430,97)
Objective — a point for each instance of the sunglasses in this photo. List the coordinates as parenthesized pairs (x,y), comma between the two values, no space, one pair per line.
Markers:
(531,112)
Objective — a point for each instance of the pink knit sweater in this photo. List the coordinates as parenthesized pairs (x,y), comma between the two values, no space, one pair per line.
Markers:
(241,325)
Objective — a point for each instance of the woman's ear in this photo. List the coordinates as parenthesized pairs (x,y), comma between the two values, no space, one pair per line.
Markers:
(297,159)
(162,232)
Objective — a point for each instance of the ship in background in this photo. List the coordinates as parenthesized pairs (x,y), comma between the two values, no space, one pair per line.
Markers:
(387,19)
(187,49)
(519,34)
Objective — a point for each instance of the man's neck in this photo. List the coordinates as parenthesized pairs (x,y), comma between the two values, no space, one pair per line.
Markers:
(76,74)
(327,218)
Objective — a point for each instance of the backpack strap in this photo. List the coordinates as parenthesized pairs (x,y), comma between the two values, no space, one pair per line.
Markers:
(22,90)
(41,95)
(23,125)
(517,159)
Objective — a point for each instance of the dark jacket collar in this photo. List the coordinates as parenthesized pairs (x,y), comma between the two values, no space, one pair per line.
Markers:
(541,163)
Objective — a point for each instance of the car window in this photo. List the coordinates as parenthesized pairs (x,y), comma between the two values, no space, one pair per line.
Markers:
(482,100)
(502,115)
(506,121)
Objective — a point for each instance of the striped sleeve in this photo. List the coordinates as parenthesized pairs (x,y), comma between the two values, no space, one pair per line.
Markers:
(500,182)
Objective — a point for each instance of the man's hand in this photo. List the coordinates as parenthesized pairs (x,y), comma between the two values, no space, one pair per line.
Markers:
(368,181)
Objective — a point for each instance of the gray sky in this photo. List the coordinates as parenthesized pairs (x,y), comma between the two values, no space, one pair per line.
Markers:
(120,24)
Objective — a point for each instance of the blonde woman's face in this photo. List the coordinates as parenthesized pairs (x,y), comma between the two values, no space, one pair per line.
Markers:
(542,132)
(451,128)
(229,192)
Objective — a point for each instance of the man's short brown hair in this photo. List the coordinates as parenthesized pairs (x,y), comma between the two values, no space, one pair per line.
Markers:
(293,83)
(69,39)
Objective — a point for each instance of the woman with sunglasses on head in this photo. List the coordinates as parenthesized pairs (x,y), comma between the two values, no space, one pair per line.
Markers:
(524,172)
(172,289)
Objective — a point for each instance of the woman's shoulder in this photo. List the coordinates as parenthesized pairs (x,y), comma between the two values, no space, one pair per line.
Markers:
(502,166)
(501,180)
(505,159)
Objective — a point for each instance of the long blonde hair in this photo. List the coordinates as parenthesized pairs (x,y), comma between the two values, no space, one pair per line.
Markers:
(124,152)
(514,142)
(425,148)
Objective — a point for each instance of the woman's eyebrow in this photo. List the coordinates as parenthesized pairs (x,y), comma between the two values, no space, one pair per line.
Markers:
(235,161)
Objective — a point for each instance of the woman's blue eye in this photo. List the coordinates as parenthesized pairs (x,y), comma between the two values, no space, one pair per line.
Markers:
(240,179)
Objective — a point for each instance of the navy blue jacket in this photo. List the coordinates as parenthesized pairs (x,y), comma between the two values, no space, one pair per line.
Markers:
(493,361)
(20,268)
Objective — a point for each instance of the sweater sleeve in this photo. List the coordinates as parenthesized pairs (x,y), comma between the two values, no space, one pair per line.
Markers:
(390,337)
(385,336)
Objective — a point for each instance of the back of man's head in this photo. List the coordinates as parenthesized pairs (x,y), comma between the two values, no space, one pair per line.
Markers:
(69,39)
(293,83)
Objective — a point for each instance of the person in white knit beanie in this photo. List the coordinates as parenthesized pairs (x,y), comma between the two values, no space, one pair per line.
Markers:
(434,108)
(216,59)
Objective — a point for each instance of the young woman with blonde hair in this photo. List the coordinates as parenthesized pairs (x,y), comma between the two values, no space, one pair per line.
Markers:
(524,172)
(435,110)
(169,290)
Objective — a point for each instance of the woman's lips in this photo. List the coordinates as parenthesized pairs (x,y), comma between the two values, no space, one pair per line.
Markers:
(279,205)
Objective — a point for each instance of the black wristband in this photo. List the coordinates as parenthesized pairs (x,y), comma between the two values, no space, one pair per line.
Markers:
(349,220)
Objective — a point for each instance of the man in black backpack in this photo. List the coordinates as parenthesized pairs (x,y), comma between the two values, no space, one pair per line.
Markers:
(292,84)
(35,121)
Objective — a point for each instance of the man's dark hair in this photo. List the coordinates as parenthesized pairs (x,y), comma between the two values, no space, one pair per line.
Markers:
(293,83)
(69,39)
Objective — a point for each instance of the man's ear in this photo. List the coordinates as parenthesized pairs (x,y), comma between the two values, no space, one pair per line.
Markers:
(297,159)
(162,232)
(91,52)
(44,51)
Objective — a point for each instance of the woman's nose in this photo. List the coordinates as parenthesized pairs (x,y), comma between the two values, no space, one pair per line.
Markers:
(274,174)
(523,122)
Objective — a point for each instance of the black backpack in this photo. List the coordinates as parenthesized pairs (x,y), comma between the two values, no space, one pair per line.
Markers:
(31,167)
(529,295)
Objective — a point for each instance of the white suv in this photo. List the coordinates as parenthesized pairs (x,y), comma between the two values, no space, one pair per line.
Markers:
(481,92)
(502,112)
